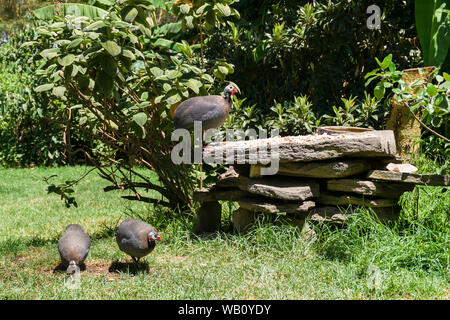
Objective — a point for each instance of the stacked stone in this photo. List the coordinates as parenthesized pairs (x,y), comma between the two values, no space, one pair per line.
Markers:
(318,176)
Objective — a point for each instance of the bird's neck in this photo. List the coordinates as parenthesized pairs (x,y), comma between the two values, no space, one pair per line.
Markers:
(228,98)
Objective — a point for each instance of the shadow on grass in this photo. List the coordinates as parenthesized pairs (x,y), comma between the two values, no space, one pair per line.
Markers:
(62,268)
(129,267)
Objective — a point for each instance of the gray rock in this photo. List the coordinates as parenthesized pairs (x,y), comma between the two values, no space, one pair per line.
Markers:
(280,188)
(304,148)
(267,206)
(335,169)
(334,200)
(371,188)
(425,179)
(213,194)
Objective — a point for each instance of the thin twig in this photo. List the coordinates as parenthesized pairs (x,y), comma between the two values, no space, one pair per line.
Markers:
(425,126)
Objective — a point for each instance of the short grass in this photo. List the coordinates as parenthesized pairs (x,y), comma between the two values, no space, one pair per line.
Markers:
(363,260)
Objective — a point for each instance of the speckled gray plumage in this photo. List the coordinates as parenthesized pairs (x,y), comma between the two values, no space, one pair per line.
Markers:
(74,244)
(132,238)
(212,111)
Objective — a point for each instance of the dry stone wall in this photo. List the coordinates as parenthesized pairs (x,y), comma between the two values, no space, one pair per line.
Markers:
(318,176)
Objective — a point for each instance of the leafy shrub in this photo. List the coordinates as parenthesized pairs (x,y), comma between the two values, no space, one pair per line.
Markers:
(27,136)
(430,97)
(117,78)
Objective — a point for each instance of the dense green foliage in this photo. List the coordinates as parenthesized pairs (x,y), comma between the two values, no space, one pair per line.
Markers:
(299,64)
(28,136)
(116,79)
(25,137)
(322,49)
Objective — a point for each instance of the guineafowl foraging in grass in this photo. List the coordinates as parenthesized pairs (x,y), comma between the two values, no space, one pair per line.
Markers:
(74,247)
(136,238)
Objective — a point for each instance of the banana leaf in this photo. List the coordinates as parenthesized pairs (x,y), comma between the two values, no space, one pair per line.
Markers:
(76,9)
(433,29)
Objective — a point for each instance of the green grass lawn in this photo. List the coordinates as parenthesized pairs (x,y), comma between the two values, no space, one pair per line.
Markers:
(364,260)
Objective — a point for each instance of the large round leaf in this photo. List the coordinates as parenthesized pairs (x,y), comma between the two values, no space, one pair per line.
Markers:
(112,47)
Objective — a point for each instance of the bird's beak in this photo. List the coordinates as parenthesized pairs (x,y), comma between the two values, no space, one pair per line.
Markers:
(159,238)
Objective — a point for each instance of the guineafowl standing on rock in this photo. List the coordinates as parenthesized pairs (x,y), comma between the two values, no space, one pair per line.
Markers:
(73,247)
(212,111)
(136,238)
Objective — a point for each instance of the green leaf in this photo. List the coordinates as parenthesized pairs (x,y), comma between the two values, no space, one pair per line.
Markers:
(50,53)
(59,91)
(173,74)
(202,8)
(173,97)
(433,30)
(446,76)
(96,25)
(28,43)
(386,62)
(131,15)
(75,43)
(83,120)
(67,60)
(185,8)
(140,119)
(44,87)
(379,91)
(109,65)
(74,9)
(207,77)
(223,9)
(432,90)
(112,47)
(194,85)
(189,20)
(223,70)
(156,71)
(129,54)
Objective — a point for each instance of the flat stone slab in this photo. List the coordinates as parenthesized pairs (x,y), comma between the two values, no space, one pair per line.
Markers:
(302,148)
(261,205)
(283,189)
(423,179)
(214,194)
(370,188)
(328,199)
(335,169)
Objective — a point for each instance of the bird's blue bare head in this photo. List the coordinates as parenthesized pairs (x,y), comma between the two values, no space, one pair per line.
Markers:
(153,236)
(230,89)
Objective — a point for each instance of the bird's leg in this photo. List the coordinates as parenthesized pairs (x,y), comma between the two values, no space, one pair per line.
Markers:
(203,140)
(201,164)
(135,260)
